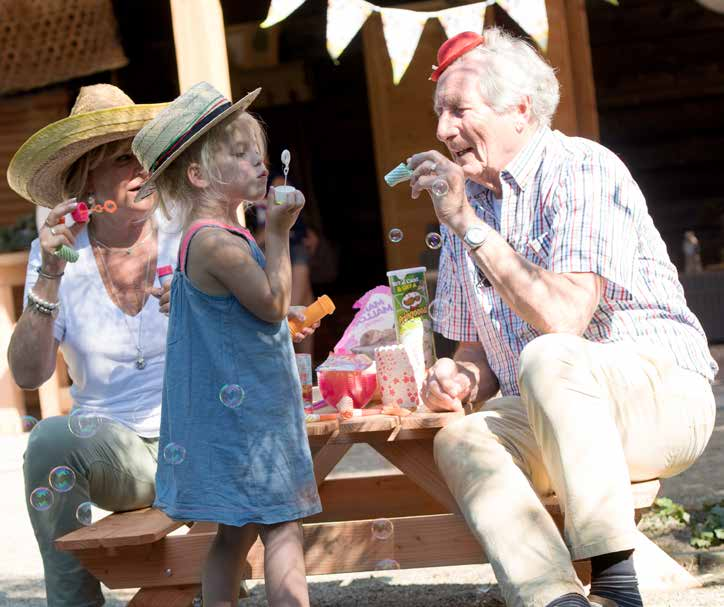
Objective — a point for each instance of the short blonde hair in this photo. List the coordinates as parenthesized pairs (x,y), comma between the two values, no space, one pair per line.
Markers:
(175,195)
(75,178)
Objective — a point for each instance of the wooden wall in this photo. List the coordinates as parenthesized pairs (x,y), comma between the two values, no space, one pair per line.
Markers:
(659,74)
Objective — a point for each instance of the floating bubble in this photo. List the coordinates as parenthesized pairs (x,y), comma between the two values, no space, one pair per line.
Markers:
(83,423)
(84,513)
(42,498)
(62,479)
(439,309)
(396,235)
(440,187)
(28,422)
(387,565)
(231,395)
(382,529)
(433,240)
(174,454)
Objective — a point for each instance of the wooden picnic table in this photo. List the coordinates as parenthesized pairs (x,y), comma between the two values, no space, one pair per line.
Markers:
(164,558)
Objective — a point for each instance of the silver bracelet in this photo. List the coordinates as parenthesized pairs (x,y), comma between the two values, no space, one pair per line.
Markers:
(42,306)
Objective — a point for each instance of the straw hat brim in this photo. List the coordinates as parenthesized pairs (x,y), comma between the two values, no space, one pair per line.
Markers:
(149,186)
(37,169)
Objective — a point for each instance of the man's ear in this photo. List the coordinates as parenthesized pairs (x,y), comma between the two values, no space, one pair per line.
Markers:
(523,112)
(196,176)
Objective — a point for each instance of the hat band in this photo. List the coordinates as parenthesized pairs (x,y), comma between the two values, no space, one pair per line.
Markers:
(219,108)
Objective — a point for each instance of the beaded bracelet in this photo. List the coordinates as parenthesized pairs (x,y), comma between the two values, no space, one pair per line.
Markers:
(42,306)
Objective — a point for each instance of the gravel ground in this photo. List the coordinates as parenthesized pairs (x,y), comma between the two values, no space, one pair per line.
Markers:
(21,574)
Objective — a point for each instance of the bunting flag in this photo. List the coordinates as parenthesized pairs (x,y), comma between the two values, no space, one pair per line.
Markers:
(468,18)
(531,16)
(280,10)
(402,31)
(344,20)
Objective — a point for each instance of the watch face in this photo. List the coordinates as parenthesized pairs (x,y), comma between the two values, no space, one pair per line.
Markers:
(475,236)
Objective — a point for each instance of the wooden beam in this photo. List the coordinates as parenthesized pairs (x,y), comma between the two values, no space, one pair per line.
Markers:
(167,596)
(372,497)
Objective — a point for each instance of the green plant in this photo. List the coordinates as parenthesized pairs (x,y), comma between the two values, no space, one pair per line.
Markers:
(17,237)
(666,508)
(709,532)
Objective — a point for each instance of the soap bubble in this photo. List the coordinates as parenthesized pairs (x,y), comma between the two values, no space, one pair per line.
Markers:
(382,529)
(439,309)
(83,423)
(28,422)
(396,235)
(387,565)
(174,454)
(42,498)
(433,240)
(62,479)
(231,395)
(440,187)
(84,513)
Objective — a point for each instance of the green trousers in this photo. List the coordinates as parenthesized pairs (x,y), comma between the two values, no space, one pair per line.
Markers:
(115,469)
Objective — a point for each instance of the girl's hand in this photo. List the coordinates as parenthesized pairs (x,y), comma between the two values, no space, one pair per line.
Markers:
(163,294)
(53,234)
(281,217)
(297,313)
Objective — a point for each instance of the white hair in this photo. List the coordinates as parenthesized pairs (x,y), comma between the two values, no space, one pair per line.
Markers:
(512,69)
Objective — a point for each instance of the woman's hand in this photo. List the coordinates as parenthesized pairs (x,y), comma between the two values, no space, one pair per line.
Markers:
(452,209)
(445,387)
(281,217)
(297,313)
(53,234)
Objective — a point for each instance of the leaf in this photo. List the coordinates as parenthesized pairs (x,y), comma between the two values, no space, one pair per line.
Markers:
(699,543)
(686,517)
(719,533)
(664,502)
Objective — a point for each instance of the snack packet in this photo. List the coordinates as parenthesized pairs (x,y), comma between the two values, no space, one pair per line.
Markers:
(373,326)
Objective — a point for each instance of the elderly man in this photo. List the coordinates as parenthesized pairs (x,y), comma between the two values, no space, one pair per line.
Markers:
(562,297)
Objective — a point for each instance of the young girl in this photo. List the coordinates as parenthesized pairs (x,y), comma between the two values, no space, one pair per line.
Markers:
(233,447)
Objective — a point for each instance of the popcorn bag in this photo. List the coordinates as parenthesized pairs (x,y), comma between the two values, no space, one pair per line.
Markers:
(399,376)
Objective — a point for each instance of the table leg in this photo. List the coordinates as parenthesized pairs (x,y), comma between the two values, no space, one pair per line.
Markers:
(167,596)
(415,459)
(326,458)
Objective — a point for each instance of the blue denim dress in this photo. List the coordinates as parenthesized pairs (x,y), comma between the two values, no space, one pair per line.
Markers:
(233,446)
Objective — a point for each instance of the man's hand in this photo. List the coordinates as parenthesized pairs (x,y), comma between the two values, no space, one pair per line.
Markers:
(445,387)
(452,209)
(297,313)
(163,294)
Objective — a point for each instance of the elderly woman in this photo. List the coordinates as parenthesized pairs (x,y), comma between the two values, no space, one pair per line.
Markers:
(98,311)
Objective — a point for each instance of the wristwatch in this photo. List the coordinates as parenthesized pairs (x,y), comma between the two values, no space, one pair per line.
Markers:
(476,235)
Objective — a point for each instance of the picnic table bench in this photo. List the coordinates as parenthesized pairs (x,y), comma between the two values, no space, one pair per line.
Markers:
(145,549)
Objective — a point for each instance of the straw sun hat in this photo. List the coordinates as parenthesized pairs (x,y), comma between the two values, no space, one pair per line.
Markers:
(102,113)
(181,123)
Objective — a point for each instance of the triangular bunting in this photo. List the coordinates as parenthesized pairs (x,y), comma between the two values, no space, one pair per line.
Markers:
(531,16)
(344,19)
(402,31)
(280,10)
(469,18)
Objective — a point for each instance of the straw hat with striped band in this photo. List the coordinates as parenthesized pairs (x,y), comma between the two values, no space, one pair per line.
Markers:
(175,128)
(102,113)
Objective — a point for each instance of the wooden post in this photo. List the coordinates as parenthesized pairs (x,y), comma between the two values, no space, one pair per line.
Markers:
(12,403)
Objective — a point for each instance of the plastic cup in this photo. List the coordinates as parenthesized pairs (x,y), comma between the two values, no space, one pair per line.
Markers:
(282,193)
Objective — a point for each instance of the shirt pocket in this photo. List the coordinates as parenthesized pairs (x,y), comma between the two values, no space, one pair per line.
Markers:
(538,249)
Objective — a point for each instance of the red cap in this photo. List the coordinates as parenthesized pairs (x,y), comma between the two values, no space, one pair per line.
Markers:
(164,271)
(80,213)
(452,49)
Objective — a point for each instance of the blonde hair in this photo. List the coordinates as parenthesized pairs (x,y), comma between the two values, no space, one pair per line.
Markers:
(175,195)
(75,178)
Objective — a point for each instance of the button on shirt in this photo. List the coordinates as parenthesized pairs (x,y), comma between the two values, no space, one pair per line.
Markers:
(570,205)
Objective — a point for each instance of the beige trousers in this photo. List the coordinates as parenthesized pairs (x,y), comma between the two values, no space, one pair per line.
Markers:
(591,418)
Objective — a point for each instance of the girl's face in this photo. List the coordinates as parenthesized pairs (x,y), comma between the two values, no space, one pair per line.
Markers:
(241,167)
(119,178)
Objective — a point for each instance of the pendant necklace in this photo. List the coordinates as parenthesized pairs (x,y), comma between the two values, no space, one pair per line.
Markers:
(140,362)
